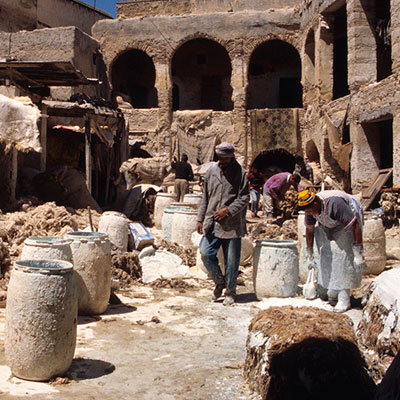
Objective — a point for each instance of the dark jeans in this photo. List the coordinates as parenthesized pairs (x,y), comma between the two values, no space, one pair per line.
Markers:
(209,247)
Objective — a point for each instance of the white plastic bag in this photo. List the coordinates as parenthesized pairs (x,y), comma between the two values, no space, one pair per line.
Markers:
(310,287)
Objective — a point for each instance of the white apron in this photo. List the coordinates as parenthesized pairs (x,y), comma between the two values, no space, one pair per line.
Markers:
(335,254)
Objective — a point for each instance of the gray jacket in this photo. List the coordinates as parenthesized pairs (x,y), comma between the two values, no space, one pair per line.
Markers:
(225,188)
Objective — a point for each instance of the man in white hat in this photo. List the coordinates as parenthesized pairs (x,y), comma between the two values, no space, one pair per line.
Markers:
(222,219)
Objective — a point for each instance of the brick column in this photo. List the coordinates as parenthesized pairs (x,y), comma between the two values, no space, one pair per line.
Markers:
(361,43)
(395,33)
(239,83)
(163,85)
(324,62)
(396,147)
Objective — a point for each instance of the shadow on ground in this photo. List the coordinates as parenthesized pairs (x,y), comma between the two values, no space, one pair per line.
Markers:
(86,368)
(246,298)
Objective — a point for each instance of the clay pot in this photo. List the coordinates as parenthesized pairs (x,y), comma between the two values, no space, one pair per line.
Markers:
(163,200)
(91,254)
(115,226)
(184,223)
(374,244)
(193,198)
(46,248)
(275,269)
(41,319)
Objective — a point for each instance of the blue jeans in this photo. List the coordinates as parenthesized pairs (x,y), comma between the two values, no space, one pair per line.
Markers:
(209,247)
(255,199)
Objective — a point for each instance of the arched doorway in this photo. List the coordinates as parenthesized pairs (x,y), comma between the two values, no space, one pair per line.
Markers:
(203,69)
(133,74)
(274,77)
(271,162)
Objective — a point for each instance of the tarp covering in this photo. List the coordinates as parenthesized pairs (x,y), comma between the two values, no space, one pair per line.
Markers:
(144,170)
(18,123)
(274,129)
(191,139)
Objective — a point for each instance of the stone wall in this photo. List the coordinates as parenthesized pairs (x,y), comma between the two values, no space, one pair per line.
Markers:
(143,8)
(55,44)
(371,100)
(309,25)
(55,13)
(17,15)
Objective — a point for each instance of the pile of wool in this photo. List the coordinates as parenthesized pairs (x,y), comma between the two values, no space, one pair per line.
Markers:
(187,255)
(126,267)
(45,220)
(265,231)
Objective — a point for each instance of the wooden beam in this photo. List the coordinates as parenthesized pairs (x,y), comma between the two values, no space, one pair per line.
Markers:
(88,155)
(43,138)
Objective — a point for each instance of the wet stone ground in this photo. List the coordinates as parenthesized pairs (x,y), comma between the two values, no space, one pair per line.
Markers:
(159,344)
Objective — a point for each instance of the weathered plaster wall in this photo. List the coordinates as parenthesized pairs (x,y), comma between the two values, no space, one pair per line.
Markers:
(16,15)
(55,13)
(144,8)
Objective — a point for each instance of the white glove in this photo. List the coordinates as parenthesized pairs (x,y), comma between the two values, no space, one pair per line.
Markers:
(359,260)
(310,258)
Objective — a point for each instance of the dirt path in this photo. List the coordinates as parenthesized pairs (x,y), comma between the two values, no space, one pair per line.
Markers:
(194,349)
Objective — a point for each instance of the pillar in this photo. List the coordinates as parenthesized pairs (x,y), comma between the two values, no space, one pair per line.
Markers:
(362,68)
(239,83)
(324,60)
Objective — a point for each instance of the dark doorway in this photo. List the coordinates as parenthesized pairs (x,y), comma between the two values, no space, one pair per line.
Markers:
(340,51)
(202,68)
(383,39)
(380,141)
(290,93)
(175,97)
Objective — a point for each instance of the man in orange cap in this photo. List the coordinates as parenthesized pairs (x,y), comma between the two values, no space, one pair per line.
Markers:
(338,237)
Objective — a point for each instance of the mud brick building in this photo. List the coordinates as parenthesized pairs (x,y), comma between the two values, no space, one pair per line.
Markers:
(309,64)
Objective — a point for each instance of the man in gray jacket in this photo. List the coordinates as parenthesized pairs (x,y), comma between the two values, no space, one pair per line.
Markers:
(222,219)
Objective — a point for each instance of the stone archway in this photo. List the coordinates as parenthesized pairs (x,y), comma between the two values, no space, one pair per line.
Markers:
(274,76)
(271,162)
(133,75)
(201,69)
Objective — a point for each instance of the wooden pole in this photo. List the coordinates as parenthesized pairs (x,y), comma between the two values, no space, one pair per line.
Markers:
(14,173)
(88,155)
(43,138)
(109,159)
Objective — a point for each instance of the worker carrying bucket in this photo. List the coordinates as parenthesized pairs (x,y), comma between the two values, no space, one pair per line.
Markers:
(334,218)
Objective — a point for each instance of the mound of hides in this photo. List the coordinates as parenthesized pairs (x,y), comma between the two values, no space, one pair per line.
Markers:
(305,353)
